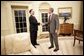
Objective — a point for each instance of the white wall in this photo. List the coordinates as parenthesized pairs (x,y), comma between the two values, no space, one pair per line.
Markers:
(7,26)
(4,19)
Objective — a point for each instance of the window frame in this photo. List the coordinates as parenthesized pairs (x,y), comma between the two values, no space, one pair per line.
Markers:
(14,22)
(44,30)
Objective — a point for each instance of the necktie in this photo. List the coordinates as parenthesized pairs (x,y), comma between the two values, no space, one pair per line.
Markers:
(49,23)
(49,18)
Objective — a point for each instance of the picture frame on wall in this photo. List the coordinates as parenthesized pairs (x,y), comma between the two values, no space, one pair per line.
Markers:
(65,11)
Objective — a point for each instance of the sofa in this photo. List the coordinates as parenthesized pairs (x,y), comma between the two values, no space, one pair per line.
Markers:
(17,43)
(2,46)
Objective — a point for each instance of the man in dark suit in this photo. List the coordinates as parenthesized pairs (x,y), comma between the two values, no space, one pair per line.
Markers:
(33,28)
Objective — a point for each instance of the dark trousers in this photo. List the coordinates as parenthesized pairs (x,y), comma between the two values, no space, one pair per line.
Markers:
(33,37)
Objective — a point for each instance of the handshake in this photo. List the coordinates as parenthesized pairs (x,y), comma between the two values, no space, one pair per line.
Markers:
(44,23)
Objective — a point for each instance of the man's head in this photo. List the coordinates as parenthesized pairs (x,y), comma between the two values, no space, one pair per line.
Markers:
(50,10)
(31,11)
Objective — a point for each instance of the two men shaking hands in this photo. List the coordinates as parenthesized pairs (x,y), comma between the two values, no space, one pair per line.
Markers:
(53,28)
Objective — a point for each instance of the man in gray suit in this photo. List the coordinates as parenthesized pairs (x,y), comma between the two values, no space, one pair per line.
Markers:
(53,25)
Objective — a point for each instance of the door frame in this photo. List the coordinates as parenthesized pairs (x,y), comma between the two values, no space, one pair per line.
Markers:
(45,11)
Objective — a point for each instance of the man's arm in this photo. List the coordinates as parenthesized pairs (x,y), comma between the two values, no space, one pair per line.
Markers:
(46,23)
(33,21)
(57,24)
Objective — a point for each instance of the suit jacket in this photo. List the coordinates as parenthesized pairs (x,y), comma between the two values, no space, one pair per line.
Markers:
(33,23)
(53,24)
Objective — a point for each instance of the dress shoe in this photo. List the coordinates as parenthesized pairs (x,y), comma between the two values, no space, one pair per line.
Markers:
(50,47)
(56,49)
(36,44)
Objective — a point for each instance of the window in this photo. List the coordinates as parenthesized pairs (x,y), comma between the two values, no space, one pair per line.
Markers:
(44,20)
(20,21)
